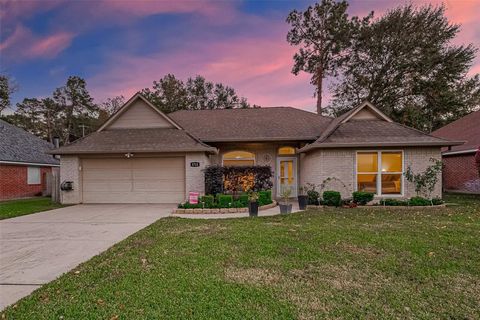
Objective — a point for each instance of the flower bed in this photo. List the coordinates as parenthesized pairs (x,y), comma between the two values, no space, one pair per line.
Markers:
(220,210)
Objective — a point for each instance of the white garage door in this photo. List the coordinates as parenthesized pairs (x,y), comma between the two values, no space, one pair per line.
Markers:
(134,180)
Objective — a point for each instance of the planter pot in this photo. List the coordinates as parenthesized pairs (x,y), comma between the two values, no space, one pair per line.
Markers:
(285,208)
(253,209)
(302,202)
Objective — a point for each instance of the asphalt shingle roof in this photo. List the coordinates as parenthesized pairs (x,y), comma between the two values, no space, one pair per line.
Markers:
(136,140)
(256,124)
(466,128)
(17,145)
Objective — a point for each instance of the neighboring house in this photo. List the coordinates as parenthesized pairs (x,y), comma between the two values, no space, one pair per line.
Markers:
(460,172)
(142,155)
(24,163)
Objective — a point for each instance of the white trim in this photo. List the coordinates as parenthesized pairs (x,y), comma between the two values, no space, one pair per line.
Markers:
(128,104)
(30,163)
(379,172)
(372,107)
(240,159)
(295,174)
(447,153)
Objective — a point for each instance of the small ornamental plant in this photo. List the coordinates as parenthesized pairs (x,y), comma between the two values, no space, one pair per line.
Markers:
(253,196)
(426,181)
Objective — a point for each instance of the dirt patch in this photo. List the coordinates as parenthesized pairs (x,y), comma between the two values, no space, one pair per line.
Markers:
(255,276)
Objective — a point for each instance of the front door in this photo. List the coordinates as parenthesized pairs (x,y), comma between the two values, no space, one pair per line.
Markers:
(287,175)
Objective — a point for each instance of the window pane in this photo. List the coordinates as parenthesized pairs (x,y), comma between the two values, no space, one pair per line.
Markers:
(391,162)
(367,162)
(391,183)
(286,150)
(238,155)
(33,175)
(367,182)
(238,162)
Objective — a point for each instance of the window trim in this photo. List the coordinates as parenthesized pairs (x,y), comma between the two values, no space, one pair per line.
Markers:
(246,159)
(39,176)
(288,154)
(379,172)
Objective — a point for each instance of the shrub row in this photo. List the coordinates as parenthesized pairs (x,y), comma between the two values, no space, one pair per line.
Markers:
(227,201)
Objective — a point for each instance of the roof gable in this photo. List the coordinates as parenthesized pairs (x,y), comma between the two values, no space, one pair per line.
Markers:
(138,113)
(366,111)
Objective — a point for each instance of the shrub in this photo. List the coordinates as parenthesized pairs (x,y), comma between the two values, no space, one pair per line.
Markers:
(213,180)
(219,179)
(332,198)
(437,201)
(188,205)
(419,201)
(264,197)
(393,202)
(425,182)
(312,194)
(225,200)
(243,198)
(362,198)
(208,201)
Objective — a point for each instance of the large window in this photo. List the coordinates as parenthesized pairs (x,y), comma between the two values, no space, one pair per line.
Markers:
(33,175)
(239,158)
(380,172)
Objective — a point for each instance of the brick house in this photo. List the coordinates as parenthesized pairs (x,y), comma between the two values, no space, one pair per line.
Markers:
(460,173)
(24,164)
(141,155)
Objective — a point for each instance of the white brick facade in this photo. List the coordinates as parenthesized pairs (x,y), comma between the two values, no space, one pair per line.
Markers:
(70,171)
(194,176)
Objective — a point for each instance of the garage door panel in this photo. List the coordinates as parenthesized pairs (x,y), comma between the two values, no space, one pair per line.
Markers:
(140,180)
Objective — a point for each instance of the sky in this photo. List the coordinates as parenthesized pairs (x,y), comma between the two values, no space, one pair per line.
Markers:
(122,46)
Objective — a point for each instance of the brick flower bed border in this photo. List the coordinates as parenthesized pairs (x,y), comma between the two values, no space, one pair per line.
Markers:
(221,210)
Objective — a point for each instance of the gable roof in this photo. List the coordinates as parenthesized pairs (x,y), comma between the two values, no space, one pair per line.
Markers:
(466,128)
(252,124)
(17,145)
(346,131)
(114,117)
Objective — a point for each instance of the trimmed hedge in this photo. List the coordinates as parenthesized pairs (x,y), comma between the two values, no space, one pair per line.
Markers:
(332,198)
(264,197)
(225,200)
(240,178)
(362,198)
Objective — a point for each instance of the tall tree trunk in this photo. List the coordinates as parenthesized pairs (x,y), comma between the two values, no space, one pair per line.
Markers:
(319,89)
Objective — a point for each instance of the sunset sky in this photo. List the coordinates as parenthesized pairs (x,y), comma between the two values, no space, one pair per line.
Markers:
(120,47)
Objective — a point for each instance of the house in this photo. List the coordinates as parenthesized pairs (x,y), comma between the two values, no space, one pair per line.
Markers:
(24,163)
(460,172)
(142,155)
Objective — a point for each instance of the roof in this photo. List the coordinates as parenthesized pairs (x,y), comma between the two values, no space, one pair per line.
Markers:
(136,140)
(346,131)
(466,128)
(252,124)
(17,145)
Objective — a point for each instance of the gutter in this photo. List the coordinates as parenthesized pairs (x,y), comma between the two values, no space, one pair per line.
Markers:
(448,153)
(30,163)
(379,144)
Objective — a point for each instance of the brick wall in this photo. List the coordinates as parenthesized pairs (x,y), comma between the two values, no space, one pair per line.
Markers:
(194,176)
(70,171)
(13,182)
(460,173)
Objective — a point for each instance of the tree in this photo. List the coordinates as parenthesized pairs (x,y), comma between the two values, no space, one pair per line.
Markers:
(426,181)
(79,113)
(112,105)
(323,32)
(406,65)
(7,87)
(171,94)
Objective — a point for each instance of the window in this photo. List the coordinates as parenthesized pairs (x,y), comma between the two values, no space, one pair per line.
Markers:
(380,172)
(283,151)
(238,158)
(33,175)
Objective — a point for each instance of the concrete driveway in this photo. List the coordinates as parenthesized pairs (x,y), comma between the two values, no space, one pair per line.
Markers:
(37,248)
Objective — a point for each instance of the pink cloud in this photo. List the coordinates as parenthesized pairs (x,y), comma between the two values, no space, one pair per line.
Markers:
(22,43)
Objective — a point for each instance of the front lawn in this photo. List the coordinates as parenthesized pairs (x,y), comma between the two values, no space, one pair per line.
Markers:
(335,263)
(15,208)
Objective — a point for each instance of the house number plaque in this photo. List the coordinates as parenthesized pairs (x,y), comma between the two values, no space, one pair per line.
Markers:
(194,164)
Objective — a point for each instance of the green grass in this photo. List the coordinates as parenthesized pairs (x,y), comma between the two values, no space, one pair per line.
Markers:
(15,208)
(335,263)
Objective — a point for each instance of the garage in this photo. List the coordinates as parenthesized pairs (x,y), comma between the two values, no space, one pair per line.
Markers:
(133,180)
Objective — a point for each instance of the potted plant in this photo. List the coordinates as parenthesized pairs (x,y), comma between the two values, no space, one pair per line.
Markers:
(253,204)
(302,199)
(285,206)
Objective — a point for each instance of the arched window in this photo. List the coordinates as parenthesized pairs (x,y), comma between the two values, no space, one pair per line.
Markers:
(238,158)
(283,151)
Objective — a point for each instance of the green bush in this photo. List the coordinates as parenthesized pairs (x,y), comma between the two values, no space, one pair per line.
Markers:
(437,201)
(243,199)
(419,201)
(225,200)
(393,202)
(208,200)
(332,198)
(188,205)
(362,198)
(312,194)
(264,197)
